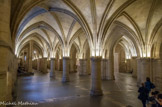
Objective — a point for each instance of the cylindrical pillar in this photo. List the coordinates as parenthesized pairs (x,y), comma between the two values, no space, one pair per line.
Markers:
(52,72)
(30,69)
(128,65)
(38,64)
(143,69)
(89,66)
(157,74)
(5,46)
(44,65)
(111,68)
(65,77)
(72,65)
(82,68)
(104,69)
(134,66)
(96,76)
(60,64)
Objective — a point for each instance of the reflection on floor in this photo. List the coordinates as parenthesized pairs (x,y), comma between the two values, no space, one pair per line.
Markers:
(48,92)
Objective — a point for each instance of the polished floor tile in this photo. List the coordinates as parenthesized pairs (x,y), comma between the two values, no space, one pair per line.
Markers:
(49,92)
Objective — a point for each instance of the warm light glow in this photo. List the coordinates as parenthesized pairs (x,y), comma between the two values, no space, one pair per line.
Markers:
(128,56)
(60,57)
(96,52)
(148,50)
(66,51)
(52,54)
(144,54)
(35,52)
(45,55)
(103,56)
(40,56)
(80,56)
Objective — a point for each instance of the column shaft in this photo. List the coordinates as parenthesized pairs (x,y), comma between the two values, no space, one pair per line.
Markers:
(52,73)
(143,69)
(82,67)
(66,69)
(157,74)
(44,65)
(134,66)
(104,69)
(72,65)
(111,68)
(128,65)
(96,76)
(30,69)
(38,64)
(5,47)
(60,62)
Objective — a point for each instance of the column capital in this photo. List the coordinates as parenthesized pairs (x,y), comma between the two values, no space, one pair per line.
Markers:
(66,57)
(134,57)
(98,58)
(105,59)
(82,59)
(52,58)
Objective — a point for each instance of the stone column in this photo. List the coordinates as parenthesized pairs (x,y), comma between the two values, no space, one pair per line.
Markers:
(157,74)
(5,46)
(128,65)
(89,66)
(143,69)
(44,65)
(96,76)
(104,69)
(72,65)
(66,68)
(134,66)
(52,72)
(82,67)
(30,69)
(138,72)
(111,68)
(38,64)
(60,64)
(48,64)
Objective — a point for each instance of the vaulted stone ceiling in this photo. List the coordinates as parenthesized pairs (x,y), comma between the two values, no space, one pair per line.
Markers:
(102,23)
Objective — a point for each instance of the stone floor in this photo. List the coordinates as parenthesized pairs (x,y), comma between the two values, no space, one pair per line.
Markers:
(48,92)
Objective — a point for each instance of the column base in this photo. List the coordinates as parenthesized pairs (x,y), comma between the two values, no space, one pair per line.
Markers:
(83,74)
(65,79)
(96,93)
(111,78)
(52,75)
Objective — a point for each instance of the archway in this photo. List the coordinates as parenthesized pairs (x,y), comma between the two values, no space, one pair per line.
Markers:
(122,37)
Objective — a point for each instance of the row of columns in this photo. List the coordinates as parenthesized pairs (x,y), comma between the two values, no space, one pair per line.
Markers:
(103,69)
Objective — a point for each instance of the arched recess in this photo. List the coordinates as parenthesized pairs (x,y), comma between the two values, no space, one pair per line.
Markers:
(25,51)
(73,57)
(156,42)
(118,31)
(39,47)
(124,50)
(59,56)
(38,37)
(87,55)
